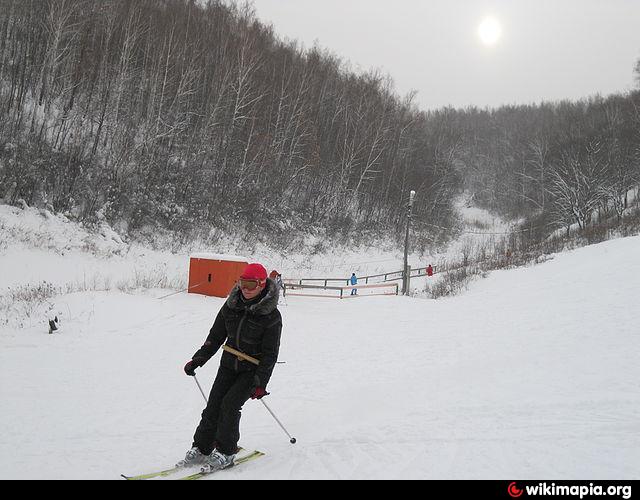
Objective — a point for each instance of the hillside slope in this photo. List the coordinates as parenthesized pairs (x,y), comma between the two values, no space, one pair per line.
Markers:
(532,373)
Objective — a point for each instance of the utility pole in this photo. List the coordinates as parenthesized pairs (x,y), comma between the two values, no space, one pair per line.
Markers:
(405,273)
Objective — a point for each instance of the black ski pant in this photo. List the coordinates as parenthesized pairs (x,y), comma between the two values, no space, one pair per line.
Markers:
(220,423)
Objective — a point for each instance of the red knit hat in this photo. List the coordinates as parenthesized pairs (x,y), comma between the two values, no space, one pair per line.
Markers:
(254,272)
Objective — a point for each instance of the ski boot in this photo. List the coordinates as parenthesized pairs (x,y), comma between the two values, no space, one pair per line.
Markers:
(217,461)
(193,457)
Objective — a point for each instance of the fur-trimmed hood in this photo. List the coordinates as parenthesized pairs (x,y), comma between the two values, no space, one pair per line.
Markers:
(266,302)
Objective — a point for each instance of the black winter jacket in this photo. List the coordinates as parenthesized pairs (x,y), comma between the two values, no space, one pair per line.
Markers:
(252,327)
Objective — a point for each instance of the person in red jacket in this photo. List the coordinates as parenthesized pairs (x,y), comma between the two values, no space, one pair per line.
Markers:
(248,322)
(429,270)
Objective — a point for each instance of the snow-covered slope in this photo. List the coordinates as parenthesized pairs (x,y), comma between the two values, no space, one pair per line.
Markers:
(532,373)
(37,246)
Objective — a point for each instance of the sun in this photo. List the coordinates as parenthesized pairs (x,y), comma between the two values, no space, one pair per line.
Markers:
(489,31)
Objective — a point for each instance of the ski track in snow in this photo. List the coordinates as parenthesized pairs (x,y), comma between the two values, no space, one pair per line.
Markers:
(531,373)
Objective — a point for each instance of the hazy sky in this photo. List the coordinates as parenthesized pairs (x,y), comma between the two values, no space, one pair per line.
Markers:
(547,49)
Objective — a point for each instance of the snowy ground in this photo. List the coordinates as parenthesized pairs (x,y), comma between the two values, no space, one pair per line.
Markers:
(532,373)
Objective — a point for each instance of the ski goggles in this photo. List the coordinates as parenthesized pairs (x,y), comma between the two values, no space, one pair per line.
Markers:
(248,284)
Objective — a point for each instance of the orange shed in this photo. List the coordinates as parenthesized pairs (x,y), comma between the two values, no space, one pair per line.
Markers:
(214,275)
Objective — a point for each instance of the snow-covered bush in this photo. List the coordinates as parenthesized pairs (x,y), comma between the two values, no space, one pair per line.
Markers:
(452,282)
(21,303)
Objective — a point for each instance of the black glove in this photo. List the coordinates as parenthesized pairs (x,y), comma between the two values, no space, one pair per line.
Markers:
(190,367)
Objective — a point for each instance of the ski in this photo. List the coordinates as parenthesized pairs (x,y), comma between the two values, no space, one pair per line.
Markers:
(173,470)
(162,473)
(251,456)
(151,475)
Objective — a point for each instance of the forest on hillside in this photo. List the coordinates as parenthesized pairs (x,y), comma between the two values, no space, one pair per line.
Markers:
(179,115)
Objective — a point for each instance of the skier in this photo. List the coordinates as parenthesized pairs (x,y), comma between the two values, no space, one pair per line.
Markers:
(277,277)
(354,281)
(280,284)
(248,322)
(429,270)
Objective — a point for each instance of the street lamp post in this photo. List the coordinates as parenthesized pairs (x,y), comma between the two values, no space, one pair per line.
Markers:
(405,273)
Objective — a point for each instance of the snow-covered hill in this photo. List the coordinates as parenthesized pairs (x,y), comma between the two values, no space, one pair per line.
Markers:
(532,373)
(44,254)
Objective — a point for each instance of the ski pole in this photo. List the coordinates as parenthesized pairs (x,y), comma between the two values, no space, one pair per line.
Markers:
(292,440)
(201,391)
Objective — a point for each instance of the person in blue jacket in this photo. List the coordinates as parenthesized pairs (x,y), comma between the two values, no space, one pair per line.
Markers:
(354,281)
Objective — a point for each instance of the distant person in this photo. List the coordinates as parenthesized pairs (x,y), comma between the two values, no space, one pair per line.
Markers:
(249,322)
(354,281)
(429,270)
(277,277)
(280,284)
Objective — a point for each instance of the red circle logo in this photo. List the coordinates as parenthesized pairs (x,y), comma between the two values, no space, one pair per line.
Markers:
(514,491)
